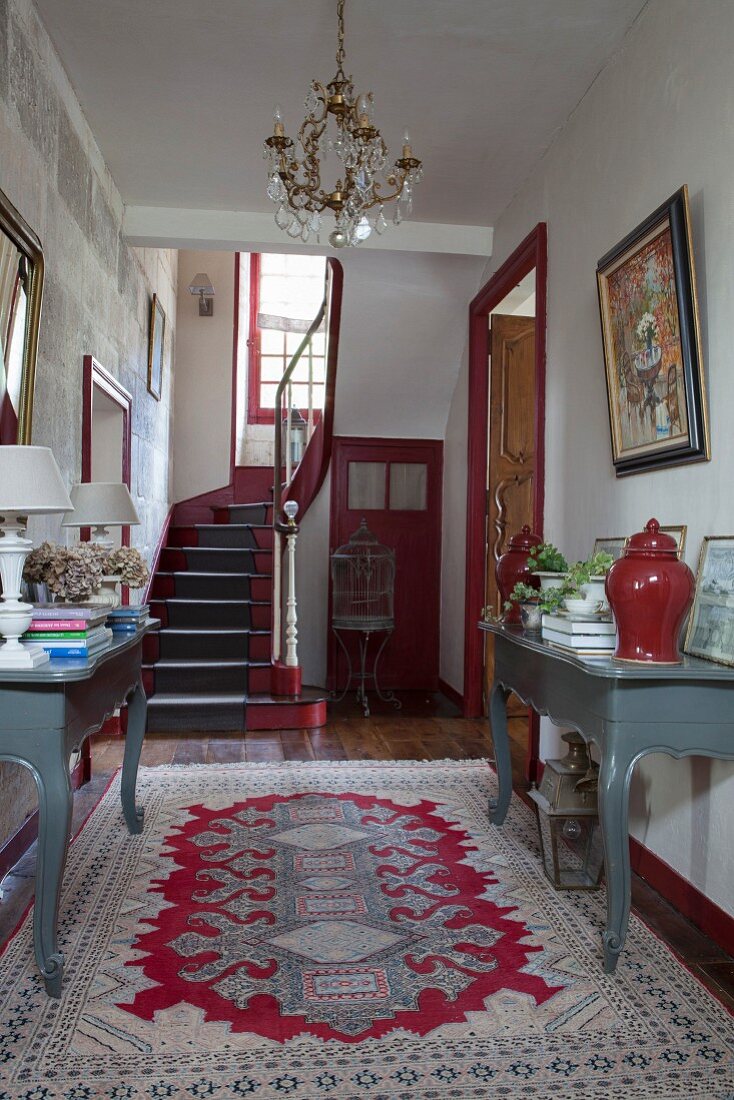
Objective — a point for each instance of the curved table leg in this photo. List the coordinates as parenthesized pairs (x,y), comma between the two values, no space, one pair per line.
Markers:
(51,772)
(614,781)
(498,727)
(334,697)
(137,711)
(386,696)
(364,641)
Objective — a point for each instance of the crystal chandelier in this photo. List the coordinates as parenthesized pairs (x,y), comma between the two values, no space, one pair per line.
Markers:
(365,183)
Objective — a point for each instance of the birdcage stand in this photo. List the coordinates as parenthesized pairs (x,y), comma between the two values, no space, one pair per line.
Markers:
(362,676)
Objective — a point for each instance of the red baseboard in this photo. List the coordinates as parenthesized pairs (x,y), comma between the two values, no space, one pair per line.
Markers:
(683,895)
(19,843)
(451,694)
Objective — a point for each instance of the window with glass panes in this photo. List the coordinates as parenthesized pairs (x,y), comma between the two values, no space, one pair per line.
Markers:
(285,295)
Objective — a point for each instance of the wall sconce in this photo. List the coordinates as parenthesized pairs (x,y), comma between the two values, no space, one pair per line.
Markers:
(202,285)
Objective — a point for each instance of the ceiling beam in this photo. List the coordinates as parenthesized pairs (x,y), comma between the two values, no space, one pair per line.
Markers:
(235,230)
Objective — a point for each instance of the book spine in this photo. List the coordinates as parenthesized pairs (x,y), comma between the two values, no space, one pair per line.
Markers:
(40,635)
(67,650)
(43,625)
(581,641)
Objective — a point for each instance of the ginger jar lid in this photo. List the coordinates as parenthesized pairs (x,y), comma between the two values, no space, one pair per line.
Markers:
(524,540)
(651,542)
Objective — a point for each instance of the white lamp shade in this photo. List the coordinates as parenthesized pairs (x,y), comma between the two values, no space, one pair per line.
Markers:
(31,482)
(201,284)
(101,504)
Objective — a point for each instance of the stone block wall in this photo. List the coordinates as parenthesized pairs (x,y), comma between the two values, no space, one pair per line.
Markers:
(97,293)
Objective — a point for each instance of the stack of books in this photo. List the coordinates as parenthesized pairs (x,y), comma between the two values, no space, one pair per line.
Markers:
(126,620)
(586,637)
(69,630)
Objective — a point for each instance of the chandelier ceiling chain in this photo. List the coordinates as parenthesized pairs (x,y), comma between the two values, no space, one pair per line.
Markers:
(366,181)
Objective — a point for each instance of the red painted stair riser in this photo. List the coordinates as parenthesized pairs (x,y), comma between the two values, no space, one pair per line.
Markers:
(283,716)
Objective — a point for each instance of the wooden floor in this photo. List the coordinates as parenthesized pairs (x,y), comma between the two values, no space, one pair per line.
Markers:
(427,728)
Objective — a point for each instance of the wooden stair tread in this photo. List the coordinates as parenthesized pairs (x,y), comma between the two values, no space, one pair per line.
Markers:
(215,631)
(307,695)
(204,573)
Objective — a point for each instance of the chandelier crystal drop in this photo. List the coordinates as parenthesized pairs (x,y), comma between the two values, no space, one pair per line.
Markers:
(357,154)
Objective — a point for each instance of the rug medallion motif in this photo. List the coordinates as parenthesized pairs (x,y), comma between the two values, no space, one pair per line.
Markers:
(352,931)
(340,916)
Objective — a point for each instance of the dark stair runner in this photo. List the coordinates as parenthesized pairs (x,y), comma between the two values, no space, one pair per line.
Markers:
(212,595)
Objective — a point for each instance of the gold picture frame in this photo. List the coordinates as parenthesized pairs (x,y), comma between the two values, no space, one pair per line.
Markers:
(679,533)
(29,270)
(156,344)
(710,632)
(610,544)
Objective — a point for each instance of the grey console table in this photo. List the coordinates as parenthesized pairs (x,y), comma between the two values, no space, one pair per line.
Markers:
(628,711)
(45,714)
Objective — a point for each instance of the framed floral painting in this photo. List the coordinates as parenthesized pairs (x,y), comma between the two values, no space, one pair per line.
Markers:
(652,346)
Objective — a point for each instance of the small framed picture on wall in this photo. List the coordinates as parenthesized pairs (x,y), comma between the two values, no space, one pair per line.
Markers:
(155,348)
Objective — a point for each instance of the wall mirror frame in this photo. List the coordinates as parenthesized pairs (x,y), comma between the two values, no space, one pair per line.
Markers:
(25,275)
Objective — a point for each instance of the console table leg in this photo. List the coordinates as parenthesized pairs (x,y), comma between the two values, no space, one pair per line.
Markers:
(137,711)
(498,726)
(51,769)
(614,780)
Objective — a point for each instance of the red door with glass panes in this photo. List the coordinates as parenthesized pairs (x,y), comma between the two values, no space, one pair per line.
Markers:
(395,484)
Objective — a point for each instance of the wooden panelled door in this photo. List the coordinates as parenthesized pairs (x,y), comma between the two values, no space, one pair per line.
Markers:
(512,433)
(395,484)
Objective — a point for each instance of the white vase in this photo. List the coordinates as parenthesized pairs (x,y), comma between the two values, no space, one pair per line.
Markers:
(593,591)
(550,580)
(108,593)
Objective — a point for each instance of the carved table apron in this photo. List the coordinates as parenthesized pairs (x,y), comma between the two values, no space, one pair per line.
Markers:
(45,714)
(627,711)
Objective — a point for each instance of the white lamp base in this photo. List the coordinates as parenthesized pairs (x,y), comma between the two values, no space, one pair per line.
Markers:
(15,616)
(22,656)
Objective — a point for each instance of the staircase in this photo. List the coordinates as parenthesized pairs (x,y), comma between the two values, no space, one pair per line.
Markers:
(217,588)
(208,668)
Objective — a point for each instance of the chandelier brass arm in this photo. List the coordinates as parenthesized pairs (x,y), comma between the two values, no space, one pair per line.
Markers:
(296,181)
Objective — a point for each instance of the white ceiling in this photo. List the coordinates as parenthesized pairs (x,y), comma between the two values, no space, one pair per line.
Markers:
(179,93)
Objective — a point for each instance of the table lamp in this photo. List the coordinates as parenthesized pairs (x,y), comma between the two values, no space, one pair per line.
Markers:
(101,504)
(30,484)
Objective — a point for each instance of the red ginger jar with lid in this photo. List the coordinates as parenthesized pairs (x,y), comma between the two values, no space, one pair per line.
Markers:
(650,592)
(512,566)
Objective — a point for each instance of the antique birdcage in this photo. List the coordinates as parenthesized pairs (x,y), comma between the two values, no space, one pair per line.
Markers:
(363,584)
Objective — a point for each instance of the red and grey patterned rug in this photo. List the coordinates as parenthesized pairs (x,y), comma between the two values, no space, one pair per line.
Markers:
(343,930)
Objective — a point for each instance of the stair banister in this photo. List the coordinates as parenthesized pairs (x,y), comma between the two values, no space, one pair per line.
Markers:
(304,481)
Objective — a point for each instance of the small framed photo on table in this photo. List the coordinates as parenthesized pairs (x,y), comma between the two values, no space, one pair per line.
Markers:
(710,631)
(652,345)
(156,341)
(610,544)
(679,534)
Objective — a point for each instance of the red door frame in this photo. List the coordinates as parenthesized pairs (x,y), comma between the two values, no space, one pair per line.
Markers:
(94,374)
(394,450)
(532,253)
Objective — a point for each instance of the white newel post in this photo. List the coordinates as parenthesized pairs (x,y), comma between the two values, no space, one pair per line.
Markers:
(291,616)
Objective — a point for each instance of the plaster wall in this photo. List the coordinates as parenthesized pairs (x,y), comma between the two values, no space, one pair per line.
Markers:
(97,291)
(203,402)
(653,120)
